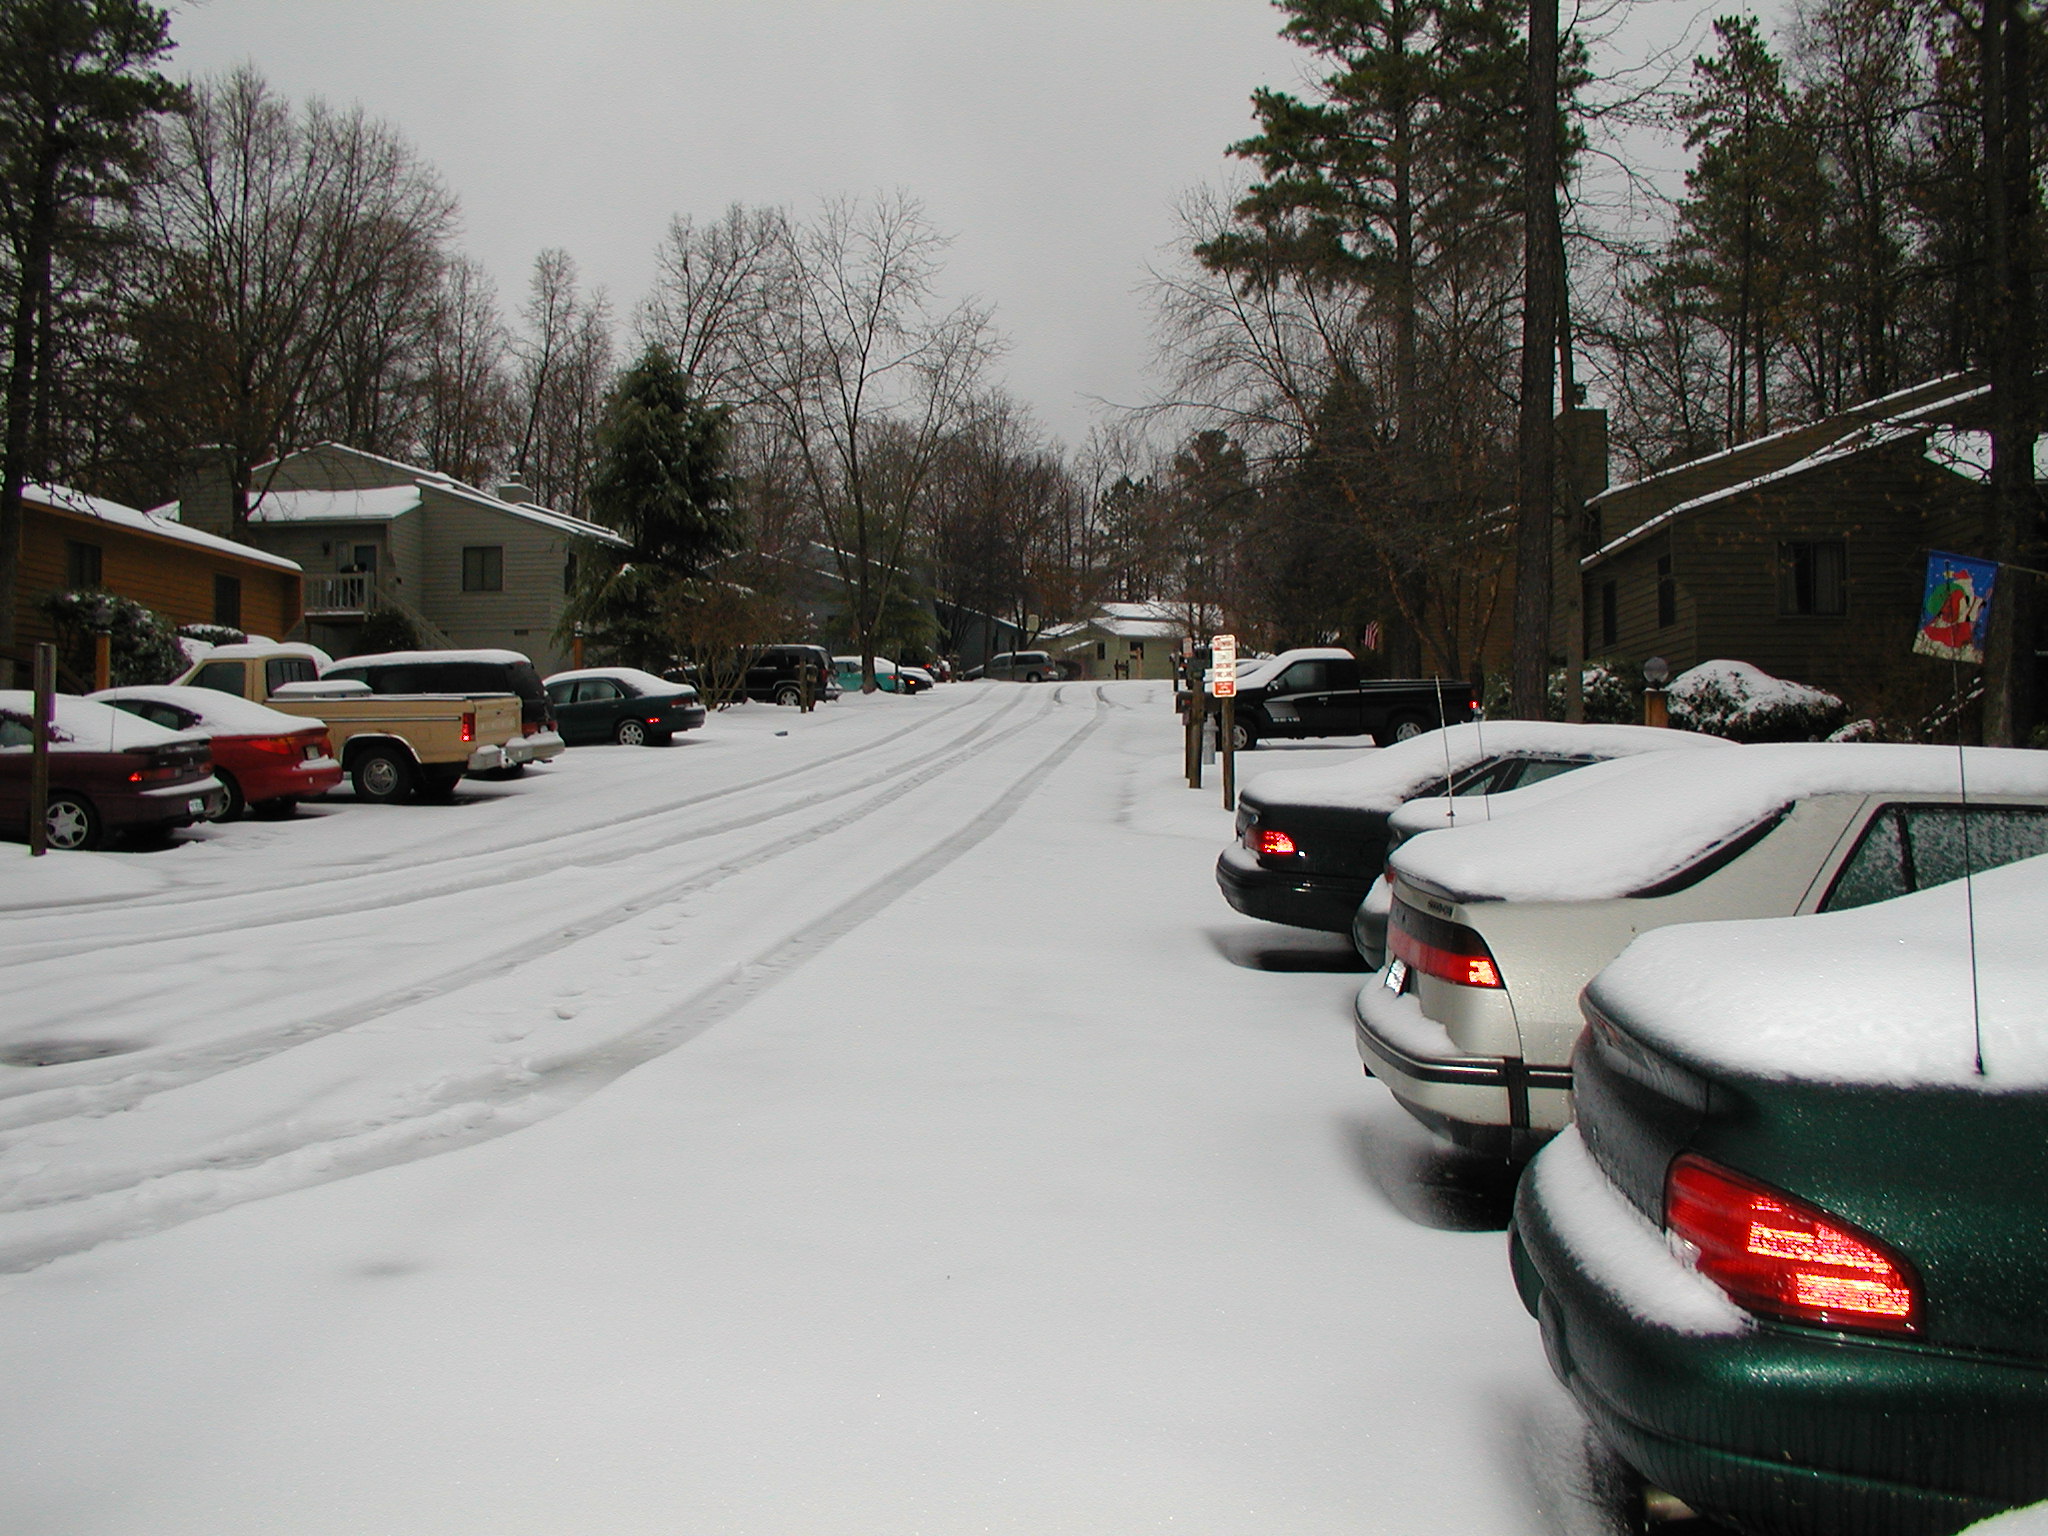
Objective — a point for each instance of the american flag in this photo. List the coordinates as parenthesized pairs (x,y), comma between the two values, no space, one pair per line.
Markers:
(1371,637)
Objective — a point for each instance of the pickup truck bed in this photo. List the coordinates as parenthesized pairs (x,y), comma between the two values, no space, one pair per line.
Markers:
(1319,693)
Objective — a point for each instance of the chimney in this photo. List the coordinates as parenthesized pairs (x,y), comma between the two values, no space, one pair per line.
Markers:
(512,491)
(205,491)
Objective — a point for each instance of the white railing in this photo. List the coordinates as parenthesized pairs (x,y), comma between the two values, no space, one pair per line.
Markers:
(338,594)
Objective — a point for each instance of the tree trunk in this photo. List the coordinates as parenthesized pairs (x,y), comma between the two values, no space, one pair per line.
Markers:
(26,360)
(2008,200)
(1536,478)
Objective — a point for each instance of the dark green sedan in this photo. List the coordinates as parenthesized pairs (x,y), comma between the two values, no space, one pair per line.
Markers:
(1792,1260)
(622,704)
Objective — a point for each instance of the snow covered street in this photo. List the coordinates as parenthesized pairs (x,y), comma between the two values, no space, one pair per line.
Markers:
(865,1122)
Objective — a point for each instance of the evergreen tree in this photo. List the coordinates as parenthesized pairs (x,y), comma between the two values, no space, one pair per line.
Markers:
(661,474)
(77,94)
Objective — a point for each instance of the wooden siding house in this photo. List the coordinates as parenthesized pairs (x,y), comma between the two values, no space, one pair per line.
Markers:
(1123,640)
(469,568)
(190,576)
(1803,553)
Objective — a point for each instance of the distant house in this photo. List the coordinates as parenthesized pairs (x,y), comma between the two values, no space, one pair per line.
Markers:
(469,568)
(1122,640)
(1802,553)
(70,539)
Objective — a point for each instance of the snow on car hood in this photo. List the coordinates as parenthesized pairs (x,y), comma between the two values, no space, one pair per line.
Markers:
(84,726)
(1394,774)
(220,714)
(1878,994)
(1609,837)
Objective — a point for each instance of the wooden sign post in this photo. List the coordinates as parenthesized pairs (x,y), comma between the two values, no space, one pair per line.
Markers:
(1224,650)
(45,706)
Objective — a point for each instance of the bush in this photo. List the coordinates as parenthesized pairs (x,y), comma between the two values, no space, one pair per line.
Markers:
(1611,697)
(144,645)
(1745,703)
(211,634)
(386,629)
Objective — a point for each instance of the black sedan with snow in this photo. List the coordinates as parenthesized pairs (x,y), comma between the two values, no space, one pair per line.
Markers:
(1310,842)
(622,704)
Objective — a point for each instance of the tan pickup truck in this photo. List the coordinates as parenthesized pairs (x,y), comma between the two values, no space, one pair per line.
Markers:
(393,745)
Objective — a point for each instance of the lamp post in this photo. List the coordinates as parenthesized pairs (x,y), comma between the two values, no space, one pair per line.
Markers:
(1656,673)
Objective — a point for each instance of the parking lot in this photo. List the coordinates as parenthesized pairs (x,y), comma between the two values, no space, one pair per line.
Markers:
(871,1121)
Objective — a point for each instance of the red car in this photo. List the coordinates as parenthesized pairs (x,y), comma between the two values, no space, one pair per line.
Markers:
(262,757)
(109,773)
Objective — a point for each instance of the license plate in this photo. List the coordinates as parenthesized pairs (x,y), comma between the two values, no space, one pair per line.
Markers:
(1397,975)
(196,805)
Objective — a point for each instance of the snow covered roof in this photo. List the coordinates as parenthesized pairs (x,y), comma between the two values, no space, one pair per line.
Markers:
(1433,813)
(1130,621)
(1876,994)
(372,504)
(220,714)
(413,658)
(1791,452)
(85,726)
(257,650)
(1394,774)
(1603,840)
(62,498)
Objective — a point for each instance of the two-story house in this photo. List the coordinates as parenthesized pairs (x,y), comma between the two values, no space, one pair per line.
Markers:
(469,568)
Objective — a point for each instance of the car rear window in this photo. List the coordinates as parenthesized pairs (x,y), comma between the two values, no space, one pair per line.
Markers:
(1911,847)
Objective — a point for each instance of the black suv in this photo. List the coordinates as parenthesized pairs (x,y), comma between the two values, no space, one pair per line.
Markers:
(775,674)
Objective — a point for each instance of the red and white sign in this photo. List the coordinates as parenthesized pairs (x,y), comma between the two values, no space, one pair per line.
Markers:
(1223,664)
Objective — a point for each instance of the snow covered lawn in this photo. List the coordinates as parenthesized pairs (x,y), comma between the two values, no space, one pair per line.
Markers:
(870,1122)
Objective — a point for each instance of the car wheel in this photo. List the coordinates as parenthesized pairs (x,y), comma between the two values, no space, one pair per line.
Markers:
(630,733)
(70,822)
(383,775)
(1407,727)
(1242,736)
(232,804)
(789,694)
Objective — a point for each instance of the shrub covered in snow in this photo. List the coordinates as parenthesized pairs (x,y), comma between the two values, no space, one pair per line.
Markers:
(1745,703)
(211,634)
(144,647)
(1611,697)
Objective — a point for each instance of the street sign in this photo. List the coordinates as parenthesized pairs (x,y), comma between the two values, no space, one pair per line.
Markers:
(1223,666)
(1224,647)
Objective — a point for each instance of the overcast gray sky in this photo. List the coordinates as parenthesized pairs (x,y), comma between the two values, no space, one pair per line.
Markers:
(1049,137)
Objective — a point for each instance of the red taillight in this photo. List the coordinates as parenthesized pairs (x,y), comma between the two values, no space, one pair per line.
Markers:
(469,726)
(1274,844)
(152,775)
(279,746)
(1449,951)
(1772,1252)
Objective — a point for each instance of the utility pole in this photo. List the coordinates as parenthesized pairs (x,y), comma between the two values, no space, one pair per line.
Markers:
(1543,280)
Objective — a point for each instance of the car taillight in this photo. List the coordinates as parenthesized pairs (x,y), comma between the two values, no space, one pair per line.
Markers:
(1774,1253)
(1449,951)
(277,746)
(469,725)
(1277,844)
(156,772)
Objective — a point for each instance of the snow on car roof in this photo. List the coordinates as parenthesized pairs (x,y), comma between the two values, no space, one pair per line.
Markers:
(1878,994)
(1606,838)
(220,714)
(250,649)
(408,658)
(1394,774)
(1434,813)
(84,726)
(645,682)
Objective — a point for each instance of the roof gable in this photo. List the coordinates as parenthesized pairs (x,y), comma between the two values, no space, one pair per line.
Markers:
(61,498)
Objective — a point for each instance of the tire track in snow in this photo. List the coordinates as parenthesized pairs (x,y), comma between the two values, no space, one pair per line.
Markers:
(497,1105)
(534,859)
(112,1083)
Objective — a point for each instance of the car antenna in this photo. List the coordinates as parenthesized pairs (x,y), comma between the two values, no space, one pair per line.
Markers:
(1444,734)
(1969,875)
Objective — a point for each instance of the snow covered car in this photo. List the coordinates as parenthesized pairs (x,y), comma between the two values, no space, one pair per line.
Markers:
(1311,841)
(1019,667)
(263,758)
(110,773)
(622,704)
(889,677)
(1496,927)
(1790,1258)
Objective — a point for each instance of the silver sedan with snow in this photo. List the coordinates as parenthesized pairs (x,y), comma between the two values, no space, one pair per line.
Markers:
(1496,927)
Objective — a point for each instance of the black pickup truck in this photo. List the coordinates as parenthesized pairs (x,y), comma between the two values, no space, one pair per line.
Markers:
(1319,693)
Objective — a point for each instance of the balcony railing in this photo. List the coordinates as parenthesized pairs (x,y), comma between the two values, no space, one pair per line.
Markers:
(338,594)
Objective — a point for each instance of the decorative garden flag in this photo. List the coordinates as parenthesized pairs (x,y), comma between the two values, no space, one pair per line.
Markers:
(1956,609)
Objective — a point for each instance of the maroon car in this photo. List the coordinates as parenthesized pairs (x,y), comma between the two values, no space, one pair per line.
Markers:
(110,773)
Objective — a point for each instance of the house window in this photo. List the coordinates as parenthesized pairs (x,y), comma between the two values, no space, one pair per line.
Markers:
(81,564)
(1813,578)
(483,568)
(1102,650)
(569,575)
(1667,594)
(227,601)
(1610,614)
